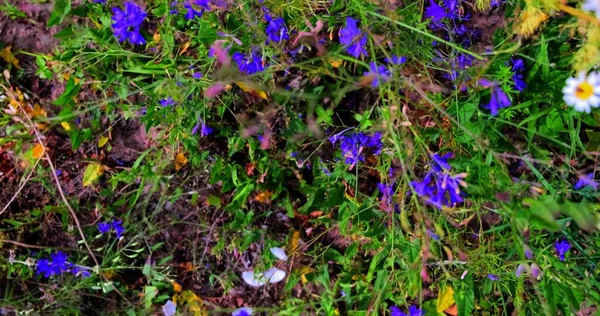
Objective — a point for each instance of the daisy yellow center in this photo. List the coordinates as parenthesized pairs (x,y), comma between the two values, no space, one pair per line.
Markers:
(584,91)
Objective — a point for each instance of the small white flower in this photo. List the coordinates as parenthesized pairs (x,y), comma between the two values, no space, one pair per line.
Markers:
(583,92)
(242,311)
(251,280)
(279,253)
(592,5)
(170,308)
(273,275)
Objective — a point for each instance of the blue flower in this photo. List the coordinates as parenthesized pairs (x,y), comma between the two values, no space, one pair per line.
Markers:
(104,227)
(586,180)
(396,60)
(518,68)
(197,75)
(412,311)
(276,29)
(353,39)
(562,247)
(117,225)
(387,190)
(166,102)
(127,23)
(249,64)
(378,73)
(441,162)
(498,98)
(192,12)
(439,187)
(436,13)
(55,266)
(355,145)
(493,277)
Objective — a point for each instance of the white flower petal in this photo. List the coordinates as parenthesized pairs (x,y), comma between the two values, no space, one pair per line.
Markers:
(242,311)
(279,253)
(251,280)
(274,275)
(170,308)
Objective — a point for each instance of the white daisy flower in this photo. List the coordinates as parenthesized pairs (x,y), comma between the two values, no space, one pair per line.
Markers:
(592,5)
(583,92)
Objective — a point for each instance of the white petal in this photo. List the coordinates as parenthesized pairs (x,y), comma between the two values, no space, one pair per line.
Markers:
(593,78)
(241,310)
(581,77)
(594,101)
(279,253)
(170,308)
(568,90)
(274,275)
(251,280)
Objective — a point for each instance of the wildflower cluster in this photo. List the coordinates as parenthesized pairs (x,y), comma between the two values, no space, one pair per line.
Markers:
(276,30)
(439,187)
(250,64)
(127,23)
(355,146)
(116,225)
(57,264)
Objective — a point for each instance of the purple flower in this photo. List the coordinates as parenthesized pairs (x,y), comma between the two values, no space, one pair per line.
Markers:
(562,247)
(354,145)
(192,12)
(118,227)
(586,180)
(127,23)
(412,311)
(378,73)
(250,64)
(440,163)
(536,272)
(353,39)
(498,98)
(436,13)
(104,227)
(55,266)
(493,277)
(528,253)
(197,75)
(205,130)
(520,269)
(100,1)
(387,190)
(439,187)
(518,68)
(276,29)
(396,60)
(166,102)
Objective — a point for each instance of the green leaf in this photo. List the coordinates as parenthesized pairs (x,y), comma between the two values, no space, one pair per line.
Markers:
(71,90)
(60,11)
(581,213)
(92,172)
(150,293)
(465,297)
